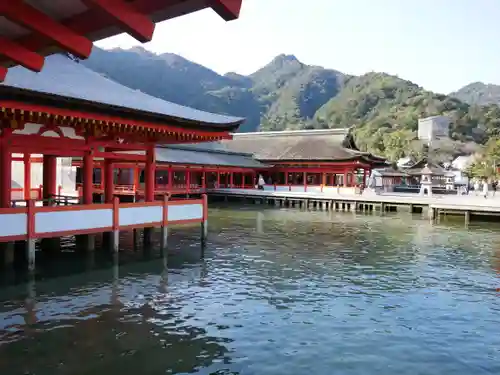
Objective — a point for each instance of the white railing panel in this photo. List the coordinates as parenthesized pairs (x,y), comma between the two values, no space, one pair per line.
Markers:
(180,212)
(140,215)
(13,224)
(62,221)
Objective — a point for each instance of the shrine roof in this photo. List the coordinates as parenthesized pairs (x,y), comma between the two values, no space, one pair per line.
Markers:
(300,145)
(64,81)
(211,157)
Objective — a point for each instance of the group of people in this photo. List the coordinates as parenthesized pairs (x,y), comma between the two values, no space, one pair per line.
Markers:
(482,187)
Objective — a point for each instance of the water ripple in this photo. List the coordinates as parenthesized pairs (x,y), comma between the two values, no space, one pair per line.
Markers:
(279,292)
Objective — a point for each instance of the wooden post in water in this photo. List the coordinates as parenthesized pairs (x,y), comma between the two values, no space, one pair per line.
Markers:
(115,237)
(467,218)
(431,213)
(204,221)
(164,227)
(30,241)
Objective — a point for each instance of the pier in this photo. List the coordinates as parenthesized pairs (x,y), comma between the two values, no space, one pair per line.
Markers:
(435,206)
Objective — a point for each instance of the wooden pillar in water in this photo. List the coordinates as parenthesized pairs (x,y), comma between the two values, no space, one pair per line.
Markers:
(204,223)
(164,228)
(149,188)
(115,238)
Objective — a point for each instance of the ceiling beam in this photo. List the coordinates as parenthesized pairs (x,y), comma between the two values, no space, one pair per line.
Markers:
(31,18)
(126,17)
(228,9)
(3,73)
(30,60)
(94,24)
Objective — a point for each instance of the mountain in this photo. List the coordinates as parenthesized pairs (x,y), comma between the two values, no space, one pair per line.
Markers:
(478,93)
(385,109)
(382,109)
(282,93)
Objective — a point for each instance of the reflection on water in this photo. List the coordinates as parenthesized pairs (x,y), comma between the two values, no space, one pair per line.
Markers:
(278,292)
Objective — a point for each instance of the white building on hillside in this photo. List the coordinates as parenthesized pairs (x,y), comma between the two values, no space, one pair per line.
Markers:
(433,128)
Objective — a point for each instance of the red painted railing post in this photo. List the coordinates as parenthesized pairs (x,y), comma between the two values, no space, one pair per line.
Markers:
(30,233)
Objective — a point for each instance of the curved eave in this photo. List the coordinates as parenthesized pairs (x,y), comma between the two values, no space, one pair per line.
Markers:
(34,29)
(20,98)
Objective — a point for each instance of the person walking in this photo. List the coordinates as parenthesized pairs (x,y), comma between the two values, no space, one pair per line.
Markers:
(485,189)
(494,186)
(476,186)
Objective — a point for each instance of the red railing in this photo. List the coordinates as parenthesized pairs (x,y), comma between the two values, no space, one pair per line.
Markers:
(32,222)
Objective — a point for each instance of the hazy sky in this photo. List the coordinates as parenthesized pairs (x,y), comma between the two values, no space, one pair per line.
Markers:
(439,44)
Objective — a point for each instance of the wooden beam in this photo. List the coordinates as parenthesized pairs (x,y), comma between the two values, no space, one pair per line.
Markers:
(19,12)
(96,25)
(126,17)
(228,9)
(120,156)
(17,53)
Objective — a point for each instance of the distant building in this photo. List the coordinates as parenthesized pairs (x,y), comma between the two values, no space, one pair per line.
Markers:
(433,128)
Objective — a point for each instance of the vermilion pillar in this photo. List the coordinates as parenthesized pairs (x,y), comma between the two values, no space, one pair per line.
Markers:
(188,179)
(6,177)
(88,176)
(109,181)
(149,175)
(136,177)
(170,178)
(27,176)
(49,176)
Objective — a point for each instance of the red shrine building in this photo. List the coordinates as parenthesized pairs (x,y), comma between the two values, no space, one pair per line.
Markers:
(315,161)
(51,108)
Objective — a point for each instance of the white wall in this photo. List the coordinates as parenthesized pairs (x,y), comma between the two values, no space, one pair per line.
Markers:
(66,174)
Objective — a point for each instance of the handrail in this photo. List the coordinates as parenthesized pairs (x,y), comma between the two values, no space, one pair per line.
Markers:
(34,221)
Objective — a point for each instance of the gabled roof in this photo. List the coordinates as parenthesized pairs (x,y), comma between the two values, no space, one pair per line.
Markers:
(299,145)
(425,166)
(64,81)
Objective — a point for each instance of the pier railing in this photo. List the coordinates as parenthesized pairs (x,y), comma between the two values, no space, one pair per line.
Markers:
(32,222)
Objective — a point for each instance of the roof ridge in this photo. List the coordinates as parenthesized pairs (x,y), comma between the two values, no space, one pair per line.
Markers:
(331,131)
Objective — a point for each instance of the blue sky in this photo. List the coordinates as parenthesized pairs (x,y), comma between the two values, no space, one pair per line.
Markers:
(439,44)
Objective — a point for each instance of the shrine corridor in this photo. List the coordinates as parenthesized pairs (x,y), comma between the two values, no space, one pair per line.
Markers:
(278,291)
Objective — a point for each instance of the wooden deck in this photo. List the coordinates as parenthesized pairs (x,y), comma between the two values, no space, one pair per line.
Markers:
(435,206)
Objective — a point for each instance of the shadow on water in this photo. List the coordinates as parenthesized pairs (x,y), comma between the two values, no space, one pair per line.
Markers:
(278,292)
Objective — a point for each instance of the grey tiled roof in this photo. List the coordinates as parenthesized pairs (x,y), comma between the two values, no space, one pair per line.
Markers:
(187,155)
(64,77)
(295,145)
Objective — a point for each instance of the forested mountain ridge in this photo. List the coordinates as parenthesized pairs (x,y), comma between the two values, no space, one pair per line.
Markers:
(478,93)
(287,94)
